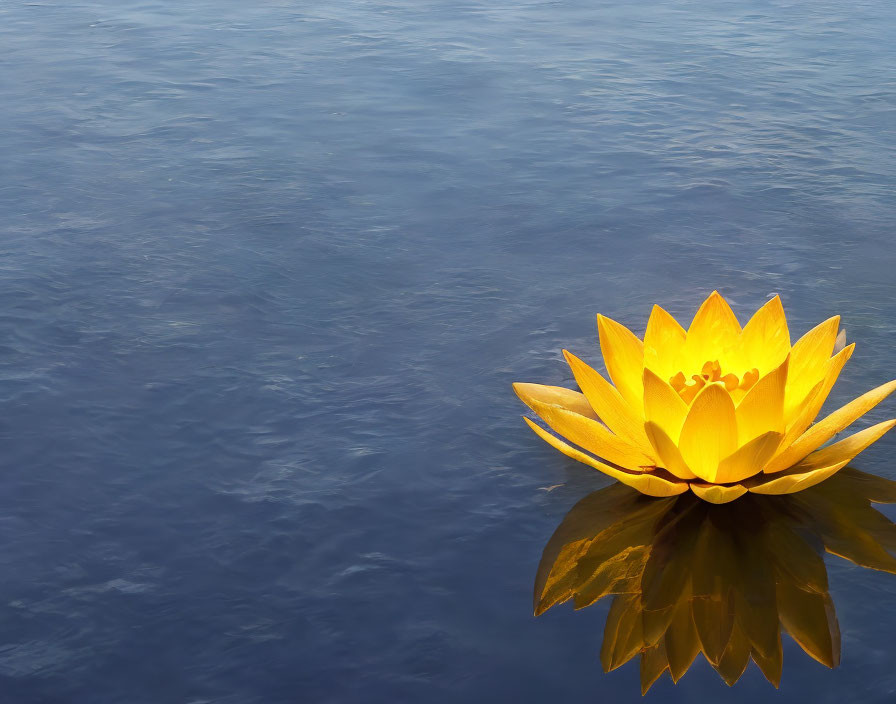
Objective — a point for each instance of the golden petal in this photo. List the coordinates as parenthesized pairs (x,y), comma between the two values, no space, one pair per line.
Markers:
(762,408)
(662,405)
(646,483)
(709,433)
(800,418)
(608,403)
(593,437)
(556,396)
(718,493)
(765,340)
(820,464)
(669,455)
(748,460)
(825,429)
(624,356)
(809,359)
(713,332)
(663,343)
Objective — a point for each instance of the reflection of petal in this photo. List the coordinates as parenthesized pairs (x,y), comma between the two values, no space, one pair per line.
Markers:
(654,663)
(690,577)
(682,644)
(810,619)
(623,637)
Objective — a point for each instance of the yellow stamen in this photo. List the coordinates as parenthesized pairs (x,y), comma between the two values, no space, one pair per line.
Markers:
(709,373)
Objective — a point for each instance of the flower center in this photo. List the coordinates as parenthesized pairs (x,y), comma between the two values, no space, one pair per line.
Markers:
(711,372)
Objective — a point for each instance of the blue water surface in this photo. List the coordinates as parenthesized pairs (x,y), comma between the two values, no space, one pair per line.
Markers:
(268,270)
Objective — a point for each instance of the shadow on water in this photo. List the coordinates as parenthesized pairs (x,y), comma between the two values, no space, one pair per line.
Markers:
(688,577)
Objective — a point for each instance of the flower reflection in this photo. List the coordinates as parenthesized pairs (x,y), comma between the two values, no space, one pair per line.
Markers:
(688,577)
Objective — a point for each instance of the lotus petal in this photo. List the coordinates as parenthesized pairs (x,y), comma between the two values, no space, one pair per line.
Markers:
(593,436)
(650,484)
(669,454)
(762,408)
(556,396)
(662,405)
(765,340)
(607,402)
(663,343)
(624,356)
(825,429)
(709,433)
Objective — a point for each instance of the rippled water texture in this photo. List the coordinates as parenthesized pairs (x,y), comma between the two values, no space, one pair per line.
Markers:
(268,270)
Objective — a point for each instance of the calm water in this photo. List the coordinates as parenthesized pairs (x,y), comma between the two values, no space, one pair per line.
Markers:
(268,270)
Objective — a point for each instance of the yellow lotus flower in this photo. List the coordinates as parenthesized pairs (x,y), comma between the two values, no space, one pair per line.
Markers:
(717,409)
(687,577)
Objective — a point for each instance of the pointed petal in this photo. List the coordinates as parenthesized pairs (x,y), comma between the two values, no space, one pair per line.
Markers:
(844,450)
(765,340)
(662,405)
(663,343)
(592,436)
(820,465)
(624,356)
(607,402)
(735,658)
(670,457)
(622,632)
(646,483)
(800,417)
(653,664)
(713,574)
(717,493)
(791,483)
(771,665)
(713,331)
(555,395)
(682,644)
(749,459)
(754,599)
(824,430)
(709,433)
(762,409)
(809,358)
(810,619)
